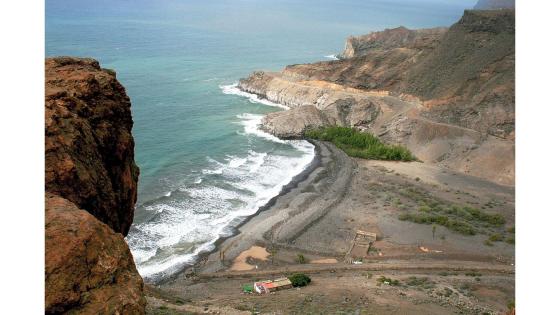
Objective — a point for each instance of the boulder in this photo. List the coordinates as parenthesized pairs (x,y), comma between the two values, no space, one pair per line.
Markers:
(88,266)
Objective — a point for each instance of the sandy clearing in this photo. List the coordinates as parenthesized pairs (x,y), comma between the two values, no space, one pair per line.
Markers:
(240,262)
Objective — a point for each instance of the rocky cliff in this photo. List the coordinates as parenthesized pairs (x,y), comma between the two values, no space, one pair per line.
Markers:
(90,184)
(447,94)
(399,37)
(89,149)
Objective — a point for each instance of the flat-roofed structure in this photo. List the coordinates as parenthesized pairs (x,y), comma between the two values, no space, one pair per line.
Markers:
(268,286)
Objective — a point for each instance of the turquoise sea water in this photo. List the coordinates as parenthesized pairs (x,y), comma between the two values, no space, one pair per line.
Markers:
(204,164)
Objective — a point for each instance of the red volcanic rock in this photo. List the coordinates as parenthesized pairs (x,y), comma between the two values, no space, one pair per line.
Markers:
(88,267)
(89,149)
(90,183)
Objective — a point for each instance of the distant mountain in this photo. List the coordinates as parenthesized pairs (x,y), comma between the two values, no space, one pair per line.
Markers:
(494,4)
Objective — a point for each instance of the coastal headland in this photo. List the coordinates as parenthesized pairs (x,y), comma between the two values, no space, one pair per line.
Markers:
(444,225)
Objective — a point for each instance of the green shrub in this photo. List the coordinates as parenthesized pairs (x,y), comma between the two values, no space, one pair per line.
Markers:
(493,219)
(496,237)
(424,209)
(299,279)
(461,227)
(300,259)
(473,274)
(360,144)
(389,281)
(424,282)
(454,225)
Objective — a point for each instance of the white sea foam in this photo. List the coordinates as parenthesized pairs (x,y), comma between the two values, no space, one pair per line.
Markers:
(233,89)
(208,214)
(251,124)
(191,220)
(333,57)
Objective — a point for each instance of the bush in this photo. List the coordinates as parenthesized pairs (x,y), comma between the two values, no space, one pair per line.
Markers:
(299,279)
(496,237)
(473,274)
(360,144)
(388,281)
(454,225)
(300,259)
(424,283)
(493,219)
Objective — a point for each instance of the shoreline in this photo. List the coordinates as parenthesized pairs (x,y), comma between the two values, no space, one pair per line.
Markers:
(294,182)
(291,213)
(237,223)
(331,170)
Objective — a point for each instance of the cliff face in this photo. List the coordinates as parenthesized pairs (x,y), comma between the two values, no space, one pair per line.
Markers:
(447,94)
(89,149)
(399,37)
(90,184)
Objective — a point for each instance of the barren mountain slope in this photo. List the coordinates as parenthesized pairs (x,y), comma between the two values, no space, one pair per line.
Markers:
(447,95)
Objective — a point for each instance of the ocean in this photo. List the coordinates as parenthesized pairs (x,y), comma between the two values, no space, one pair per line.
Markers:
(205,165)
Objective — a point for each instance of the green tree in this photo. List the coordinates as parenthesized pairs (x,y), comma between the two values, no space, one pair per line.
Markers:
(299,279)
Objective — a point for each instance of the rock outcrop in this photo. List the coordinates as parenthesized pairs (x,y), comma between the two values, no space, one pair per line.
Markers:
(447,94)
(399,37)
(88,266)
(332,99)
(292,124)
(90,185)
(89,149)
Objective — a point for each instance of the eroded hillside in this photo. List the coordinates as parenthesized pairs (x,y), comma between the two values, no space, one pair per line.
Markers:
(447,94)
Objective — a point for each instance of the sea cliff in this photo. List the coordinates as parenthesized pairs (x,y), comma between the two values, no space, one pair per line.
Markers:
(446,94)
(90,184)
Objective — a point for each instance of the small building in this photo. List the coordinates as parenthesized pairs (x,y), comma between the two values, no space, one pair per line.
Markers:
(268,286)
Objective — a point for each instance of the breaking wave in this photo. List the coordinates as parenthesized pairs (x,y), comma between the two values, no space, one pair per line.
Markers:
(189,220)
